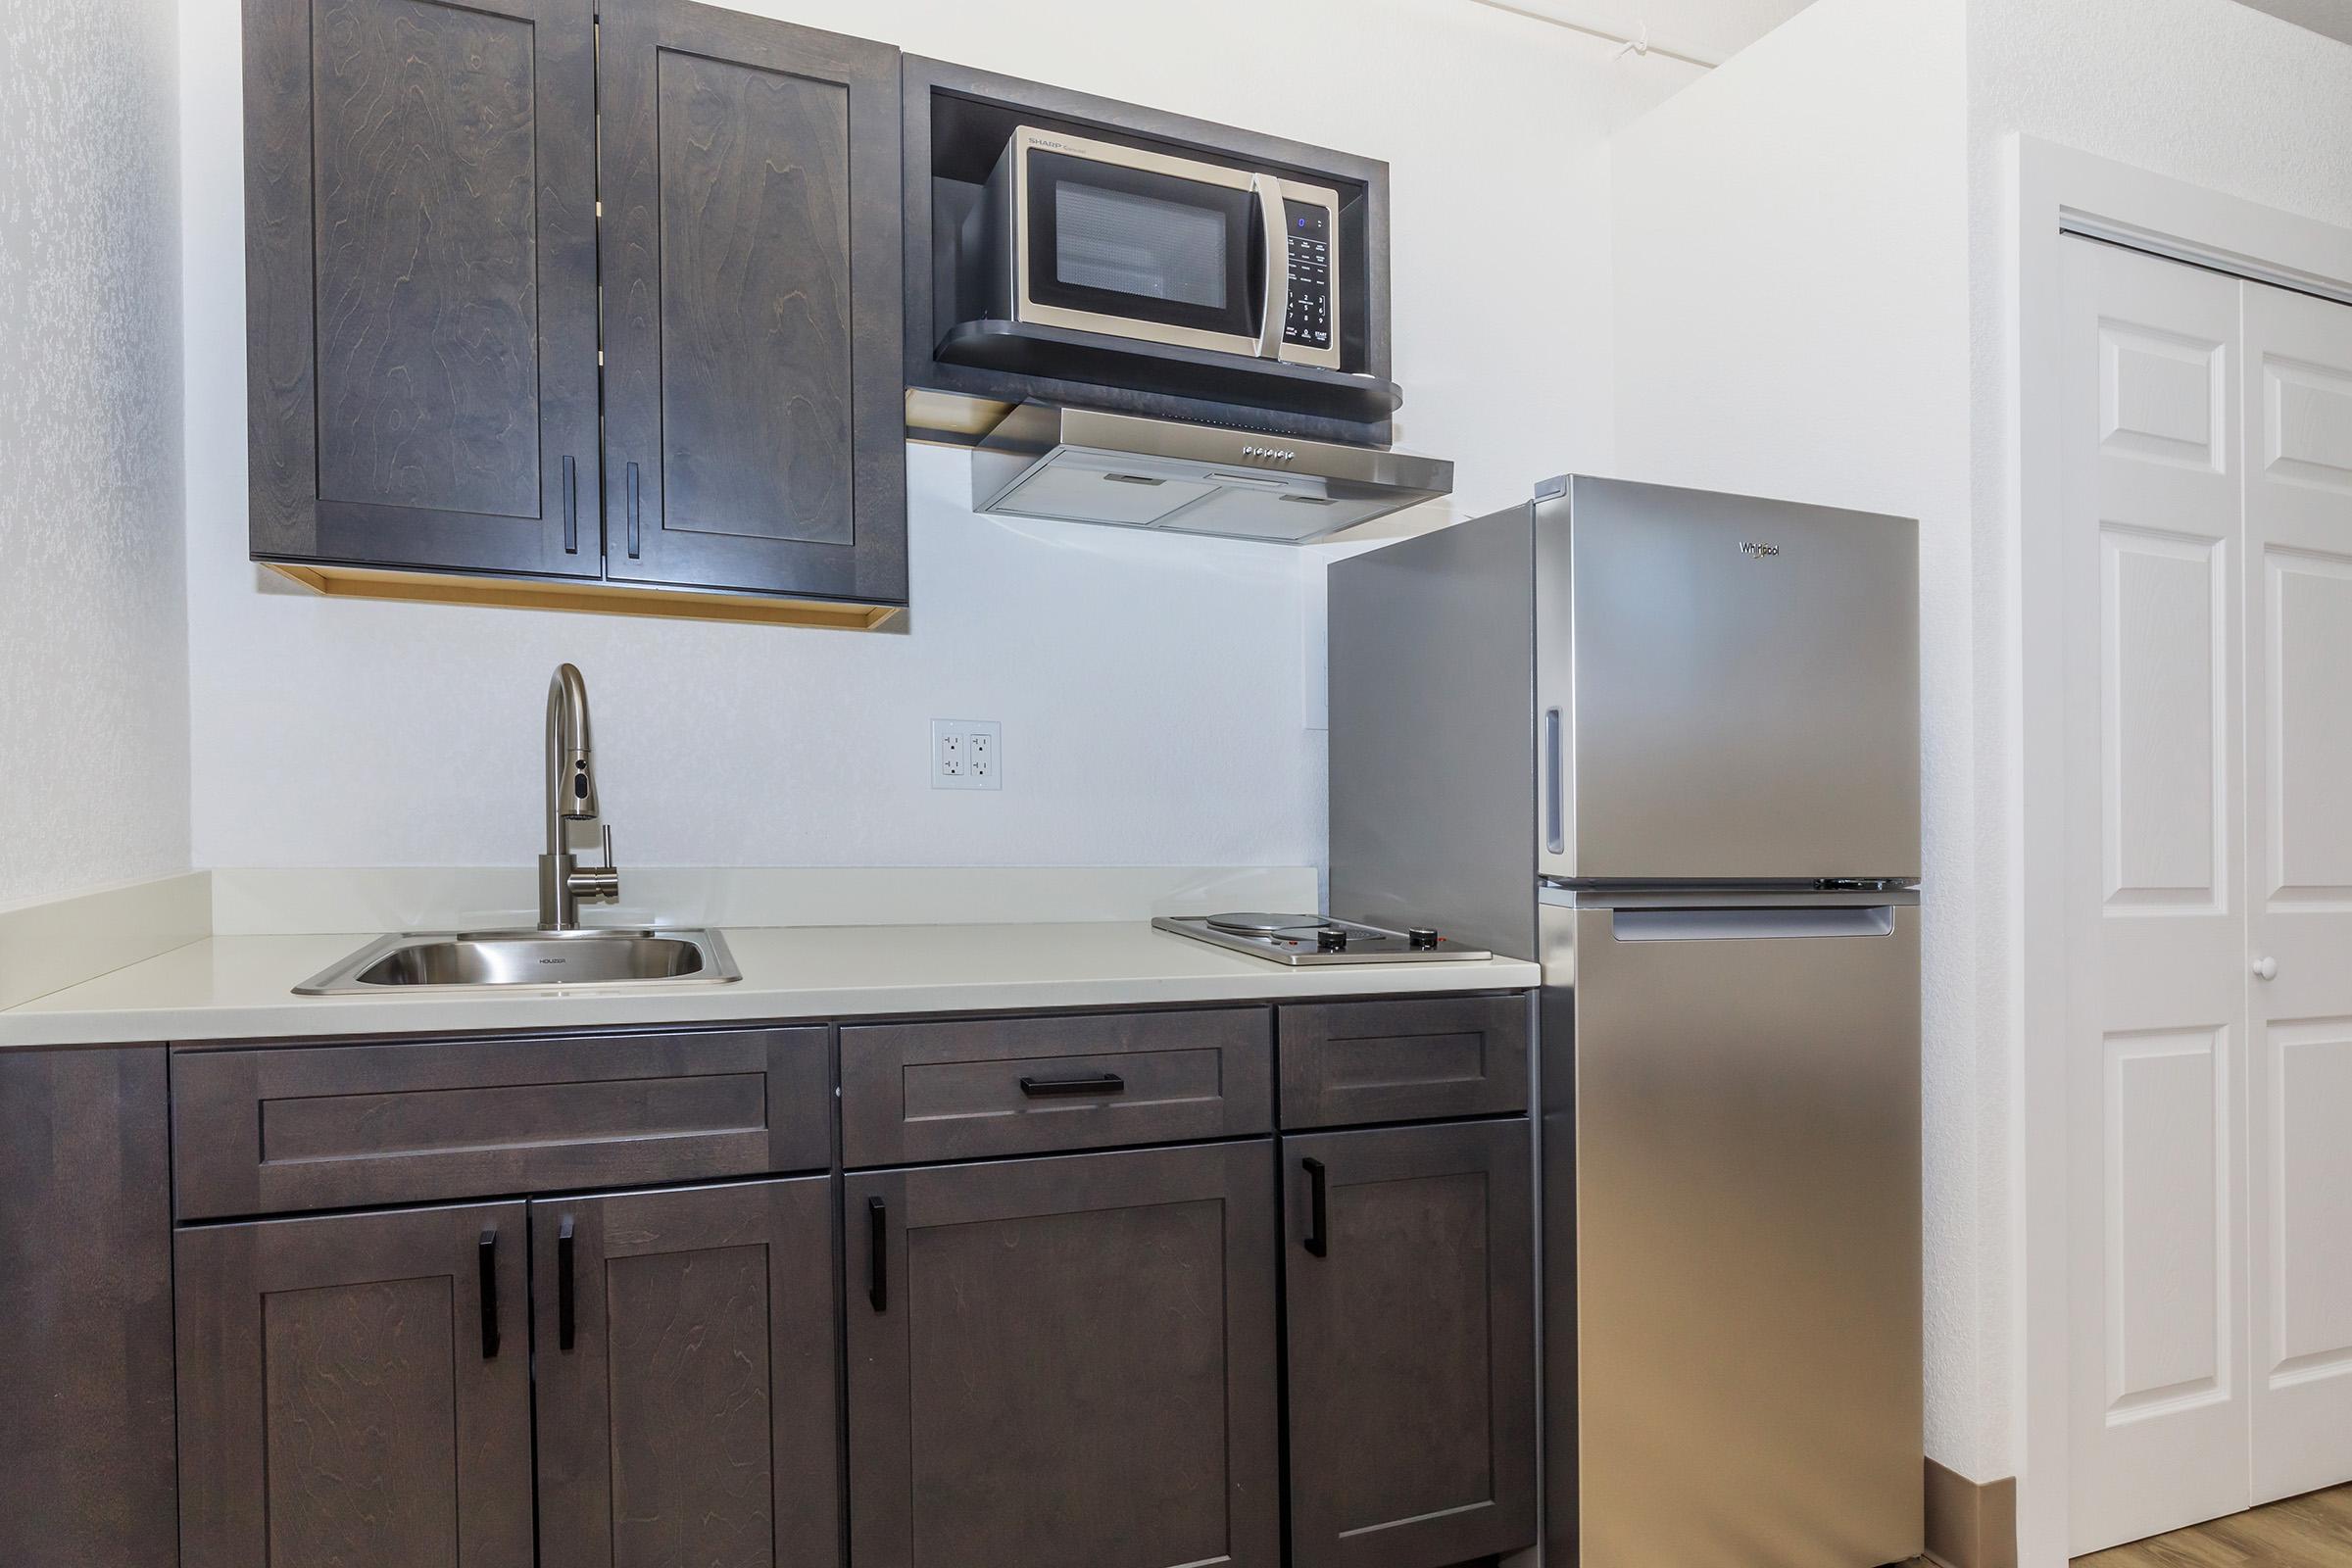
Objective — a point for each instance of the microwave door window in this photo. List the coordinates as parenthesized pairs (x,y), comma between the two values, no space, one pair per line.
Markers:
(1130,246)
(1124,243)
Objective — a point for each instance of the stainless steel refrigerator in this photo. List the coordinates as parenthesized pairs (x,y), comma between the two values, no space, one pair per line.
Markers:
(1666,742)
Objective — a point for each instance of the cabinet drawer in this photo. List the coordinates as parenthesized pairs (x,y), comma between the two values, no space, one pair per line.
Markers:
(267,1131)
(1408,1059)
(970,1089)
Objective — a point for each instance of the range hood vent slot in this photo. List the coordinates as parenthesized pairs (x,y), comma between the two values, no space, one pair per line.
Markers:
(1081,466)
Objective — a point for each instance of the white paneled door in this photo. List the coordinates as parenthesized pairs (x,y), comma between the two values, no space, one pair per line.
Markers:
(2209,775)
(2297,401)
(2156,1064)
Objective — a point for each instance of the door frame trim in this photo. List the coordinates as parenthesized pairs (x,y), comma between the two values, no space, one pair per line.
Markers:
(2053,192)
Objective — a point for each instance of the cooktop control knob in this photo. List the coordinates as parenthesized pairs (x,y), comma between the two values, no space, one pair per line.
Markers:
(1421,938)
(1331,939)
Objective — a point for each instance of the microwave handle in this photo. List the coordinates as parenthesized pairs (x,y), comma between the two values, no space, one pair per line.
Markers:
(1277,302)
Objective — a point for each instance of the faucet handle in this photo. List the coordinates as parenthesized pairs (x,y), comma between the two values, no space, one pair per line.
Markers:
(602,882)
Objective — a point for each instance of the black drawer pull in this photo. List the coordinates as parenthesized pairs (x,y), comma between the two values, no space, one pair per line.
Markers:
(486,1254)
(877,1268)
(1101,1083)
(1318,1218)
(631,486)
(566,1329)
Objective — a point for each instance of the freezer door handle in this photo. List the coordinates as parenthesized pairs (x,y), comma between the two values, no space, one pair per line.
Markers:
(1731,925)
(1554,813)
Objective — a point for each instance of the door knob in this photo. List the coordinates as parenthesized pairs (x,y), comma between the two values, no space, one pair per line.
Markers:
(2265,967)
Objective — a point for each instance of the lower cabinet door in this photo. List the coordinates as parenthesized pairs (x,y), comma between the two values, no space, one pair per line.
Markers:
(688,1408)
(1410,1285)
(1065,1362)
(355,1392)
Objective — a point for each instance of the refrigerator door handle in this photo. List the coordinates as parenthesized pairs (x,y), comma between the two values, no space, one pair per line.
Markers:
(1553,804)
(1731,925)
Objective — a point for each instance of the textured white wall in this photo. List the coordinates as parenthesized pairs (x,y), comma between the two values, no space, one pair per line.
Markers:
(93,644)
(1791,320)
(1155,692)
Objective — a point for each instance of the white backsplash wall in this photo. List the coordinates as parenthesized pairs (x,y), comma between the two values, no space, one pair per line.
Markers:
(1148,688)
(1155,692)
(93,646)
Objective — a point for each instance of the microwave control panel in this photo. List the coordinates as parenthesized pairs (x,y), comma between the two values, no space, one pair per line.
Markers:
(1308,322)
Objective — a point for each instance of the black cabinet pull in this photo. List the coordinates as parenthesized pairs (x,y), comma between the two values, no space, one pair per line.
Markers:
(1317,1207)
(877,1268)
(1101,1083)
(571,507)
(632,489)
(566,1326)
(487,1255)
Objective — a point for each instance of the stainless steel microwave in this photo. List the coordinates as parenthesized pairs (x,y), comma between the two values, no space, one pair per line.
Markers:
(1117,240)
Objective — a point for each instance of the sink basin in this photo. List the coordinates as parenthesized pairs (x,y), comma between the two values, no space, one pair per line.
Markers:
(466,960)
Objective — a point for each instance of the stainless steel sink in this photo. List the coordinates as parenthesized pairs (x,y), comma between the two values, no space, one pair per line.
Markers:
(464,961)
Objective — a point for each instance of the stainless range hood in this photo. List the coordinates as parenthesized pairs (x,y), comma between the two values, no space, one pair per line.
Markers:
(1079,466)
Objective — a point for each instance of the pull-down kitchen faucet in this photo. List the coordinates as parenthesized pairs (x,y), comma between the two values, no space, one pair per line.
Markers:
(572,820)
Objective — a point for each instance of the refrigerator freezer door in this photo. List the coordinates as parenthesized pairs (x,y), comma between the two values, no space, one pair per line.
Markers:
(1739,1202)
(1731,687)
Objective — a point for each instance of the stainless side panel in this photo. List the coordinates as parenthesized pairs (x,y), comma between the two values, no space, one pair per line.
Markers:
(1432,659)
(1738,684)
(1556,1254)
(1747,1239)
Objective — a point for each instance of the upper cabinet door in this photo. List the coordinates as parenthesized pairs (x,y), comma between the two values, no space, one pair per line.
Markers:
(420,282)
(751,275)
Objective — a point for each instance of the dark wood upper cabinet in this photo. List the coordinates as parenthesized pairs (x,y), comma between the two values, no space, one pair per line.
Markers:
(687,1380)
(753,305)
(355,1390)
(1065,1362)
(420,282)
(1410,1284)
(428,414)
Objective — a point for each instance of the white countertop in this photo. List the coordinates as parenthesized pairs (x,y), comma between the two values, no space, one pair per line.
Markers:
(241,987)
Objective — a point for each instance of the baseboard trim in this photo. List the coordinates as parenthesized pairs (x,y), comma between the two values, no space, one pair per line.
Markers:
(1971,1524)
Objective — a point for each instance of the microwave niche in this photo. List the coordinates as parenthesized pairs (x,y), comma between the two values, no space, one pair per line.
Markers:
(1097,237)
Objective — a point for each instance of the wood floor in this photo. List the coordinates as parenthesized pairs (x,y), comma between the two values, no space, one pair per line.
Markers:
(2309,1532)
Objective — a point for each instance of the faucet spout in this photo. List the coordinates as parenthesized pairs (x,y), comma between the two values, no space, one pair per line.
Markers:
(571,752)
(574,822)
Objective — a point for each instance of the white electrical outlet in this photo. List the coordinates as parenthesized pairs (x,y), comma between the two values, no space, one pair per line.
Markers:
(967,754)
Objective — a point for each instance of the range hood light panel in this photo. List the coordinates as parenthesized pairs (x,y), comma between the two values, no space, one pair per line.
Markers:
(1079,466)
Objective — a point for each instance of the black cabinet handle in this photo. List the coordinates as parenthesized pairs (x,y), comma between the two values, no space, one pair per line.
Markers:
(1317,1207)
(1101,1083)
(571,507)
(487,1255)
(632,489)
(877,1268)
(566,1327)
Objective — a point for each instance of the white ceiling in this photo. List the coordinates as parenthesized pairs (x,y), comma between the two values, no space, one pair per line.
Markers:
(1710,32)
(2331,16)
(1705,31)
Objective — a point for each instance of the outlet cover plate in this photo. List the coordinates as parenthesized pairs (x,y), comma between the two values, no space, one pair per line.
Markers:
(967,754)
